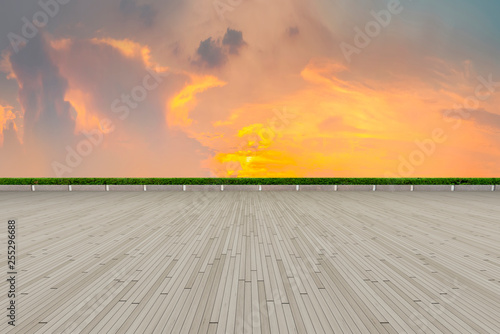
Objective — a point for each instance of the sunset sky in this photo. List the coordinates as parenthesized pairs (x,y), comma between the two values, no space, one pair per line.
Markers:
(249,88)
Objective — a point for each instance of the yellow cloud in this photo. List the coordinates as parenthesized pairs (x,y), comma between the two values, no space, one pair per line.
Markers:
(6,115)
(182,103)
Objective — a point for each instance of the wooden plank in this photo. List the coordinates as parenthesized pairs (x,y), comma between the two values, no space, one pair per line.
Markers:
(263,262)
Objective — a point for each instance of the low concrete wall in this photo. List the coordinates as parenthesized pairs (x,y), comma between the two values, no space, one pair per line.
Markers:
(401,188)
(15,188)
(318,187)
(205,187)
(470,187)
(126,187)
(44,187)
(429,187)
(159,187)
(343,187)
(278,187)
(88,187)
(398,187)
(246,187)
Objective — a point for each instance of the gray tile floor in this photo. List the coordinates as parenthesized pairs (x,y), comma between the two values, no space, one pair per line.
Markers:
(255,262)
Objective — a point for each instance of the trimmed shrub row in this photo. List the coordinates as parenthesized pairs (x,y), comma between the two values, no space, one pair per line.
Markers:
(243,181)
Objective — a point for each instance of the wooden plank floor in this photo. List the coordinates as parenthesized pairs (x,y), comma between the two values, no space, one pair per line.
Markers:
(245,262)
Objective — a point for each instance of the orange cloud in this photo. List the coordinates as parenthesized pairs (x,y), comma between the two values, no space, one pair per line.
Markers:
(131,49)
(60,44)
(343,127)
(6,115)
(181,104)
(6,66)
(343,122)
(84,120)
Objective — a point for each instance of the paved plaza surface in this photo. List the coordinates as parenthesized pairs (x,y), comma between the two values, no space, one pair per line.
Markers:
(254,262)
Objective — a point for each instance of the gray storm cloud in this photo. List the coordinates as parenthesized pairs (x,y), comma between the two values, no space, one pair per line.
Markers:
(47,116)
(211,53)
(234,40)
(111,82)
(145,13)
(215,53)
(293,31)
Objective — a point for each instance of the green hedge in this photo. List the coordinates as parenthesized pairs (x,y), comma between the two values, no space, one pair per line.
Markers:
(218,181)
